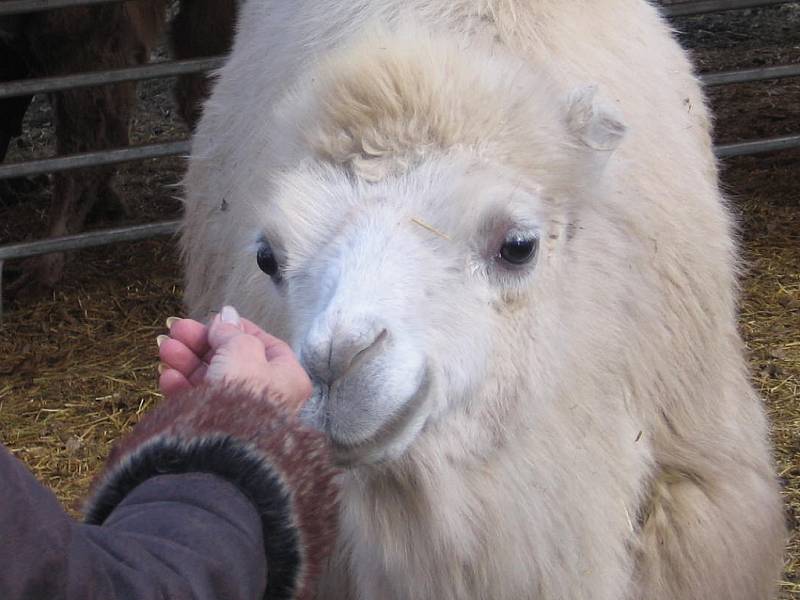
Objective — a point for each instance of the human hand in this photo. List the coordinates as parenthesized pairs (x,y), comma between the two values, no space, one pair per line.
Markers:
(235,350)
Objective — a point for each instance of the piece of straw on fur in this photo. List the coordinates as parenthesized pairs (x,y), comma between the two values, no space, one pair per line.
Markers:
(430,228)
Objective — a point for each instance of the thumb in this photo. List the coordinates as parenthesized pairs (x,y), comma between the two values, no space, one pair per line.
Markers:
(225,326)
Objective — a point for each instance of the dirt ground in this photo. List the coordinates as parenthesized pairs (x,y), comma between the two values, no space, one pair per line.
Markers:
(77,366)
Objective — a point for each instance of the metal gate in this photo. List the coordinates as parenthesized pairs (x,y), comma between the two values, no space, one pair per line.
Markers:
(671,8)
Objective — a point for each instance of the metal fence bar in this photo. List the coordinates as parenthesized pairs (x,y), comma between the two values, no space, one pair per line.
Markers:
(747,75)
(93,159)
(88,240)
(170,68)
(708,6)
(15,7)
(90,159)
(198,65)
(757,146)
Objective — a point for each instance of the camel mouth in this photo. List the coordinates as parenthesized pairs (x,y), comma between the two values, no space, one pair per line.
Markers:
(373,449)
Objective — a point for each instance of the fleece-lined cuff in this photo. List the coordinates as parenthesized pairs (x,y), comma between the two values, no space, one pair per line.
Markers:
(284,469)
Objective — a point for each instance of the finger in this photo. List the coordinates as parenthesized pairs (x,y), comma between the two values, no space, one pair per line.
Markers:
(274,347)
(197,376)
(241,358)
(178,356)
(243,353)
(224,327)
(192,334)
(171,382)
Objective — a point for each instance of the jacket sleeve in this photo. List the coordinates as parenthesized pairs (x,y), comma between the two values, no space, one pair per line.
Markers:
(176,536)
(215,494)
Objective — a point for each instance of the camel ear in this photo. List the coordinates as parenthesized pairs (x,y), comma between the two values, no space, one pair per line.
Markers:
(595,123)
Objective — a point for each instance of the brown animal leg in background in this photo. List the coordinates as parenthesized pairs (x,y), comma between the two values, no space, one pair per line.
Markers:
(201,28)
(93,119)
(85,119)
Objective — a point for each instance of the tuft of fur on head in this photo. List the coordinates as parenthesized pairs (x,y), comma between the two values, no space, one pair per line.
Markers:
(382,105)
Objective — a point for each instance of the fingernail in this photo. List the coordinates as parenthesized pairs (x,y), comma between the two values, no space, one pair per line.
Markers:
(229,315)
(160,339)
(171,321)
(161,368)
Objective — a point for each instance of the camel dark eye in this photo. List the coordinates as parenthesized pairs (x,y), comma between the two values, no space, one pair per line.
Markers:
(519,248)
(266,259)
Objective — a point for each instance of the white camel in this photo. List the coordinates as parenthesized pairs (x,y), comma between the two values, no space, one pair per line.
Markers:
(493,231)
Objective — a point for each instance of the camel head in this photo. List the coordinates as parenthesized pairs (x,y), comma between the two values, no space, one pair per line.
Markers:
(415,226)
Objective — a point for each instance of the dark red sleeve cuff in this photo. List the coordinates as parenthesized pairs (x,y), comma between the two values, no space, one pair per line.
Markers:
(282,467)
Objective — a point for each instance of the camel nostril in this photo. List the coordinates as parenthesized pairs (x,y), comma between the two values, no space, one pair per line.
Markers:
(348,352)
(331,352)
(367,350)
